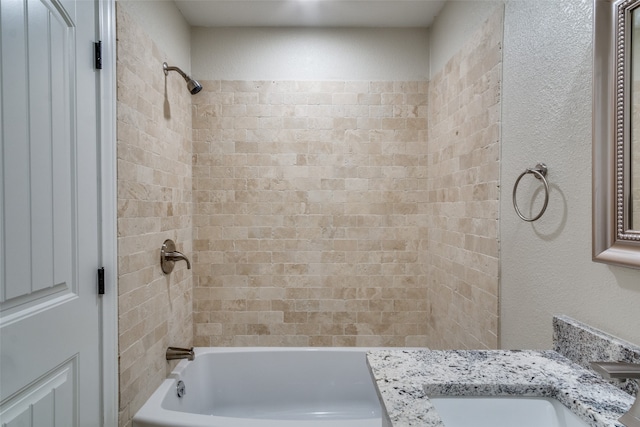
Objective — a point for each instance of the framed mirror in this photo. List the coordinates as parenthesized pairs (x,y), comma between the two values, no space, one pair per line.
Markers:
(616,133)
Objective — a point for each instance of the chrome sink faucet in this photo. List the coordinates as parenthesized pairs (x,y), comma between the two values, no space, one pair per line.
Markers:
(174,353)
(622,370)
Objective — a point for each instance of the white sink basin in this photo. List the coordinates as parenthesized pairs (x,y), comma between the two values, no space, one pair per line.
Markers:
(504,411)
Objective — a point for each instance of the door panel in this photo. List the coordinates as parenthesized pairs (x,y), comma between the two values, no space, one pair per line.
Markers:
(49,402)
(38,105)
(49,310)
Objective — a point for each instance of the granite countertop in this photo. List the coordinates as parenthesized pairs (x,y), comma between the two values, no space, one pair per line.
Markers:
(406,378)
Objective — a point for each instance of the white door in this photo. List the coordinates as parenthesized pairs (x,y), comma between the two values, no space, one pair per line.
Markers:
(49,235)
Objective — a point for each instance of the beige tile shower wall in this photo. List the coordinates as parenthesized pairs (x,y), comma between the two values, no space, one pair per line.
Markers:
(154,203)
(310,214)
(463,172)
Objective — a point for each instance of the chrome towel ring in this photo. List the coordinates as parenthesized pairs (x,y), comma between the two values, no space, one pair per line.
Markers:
(540,172)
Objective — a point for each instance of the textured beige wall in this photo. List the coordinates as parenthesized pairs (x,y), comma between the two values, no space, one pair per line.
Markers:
(154,203)
(463,182)
(310,213)
(310,54)
(547,116)
(163,22)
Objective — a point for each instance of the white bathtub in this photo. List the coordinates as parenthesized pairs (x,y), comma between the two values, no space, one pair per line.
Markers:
(267,387)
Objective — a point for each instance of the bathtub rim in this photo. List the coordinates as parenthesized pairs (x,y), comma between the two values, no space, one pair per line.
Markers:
(199,351)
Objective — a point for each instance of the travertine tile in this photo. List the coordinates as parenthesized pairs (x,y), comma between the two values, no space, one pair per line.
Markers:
(463,182)
(154,203)
(319,218)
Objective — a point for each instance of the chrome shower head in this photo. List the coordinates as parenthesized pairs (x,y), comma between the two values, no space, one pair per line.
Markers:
(193,85)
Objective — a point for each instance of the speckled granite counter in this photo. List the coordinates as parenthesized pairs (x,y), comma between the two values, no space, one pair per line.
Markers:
(405,379)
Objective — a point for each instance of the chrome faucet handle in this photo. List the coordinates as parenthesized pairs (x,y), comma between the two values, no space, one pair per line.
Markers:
(177,256)
(169,255)
(621,370)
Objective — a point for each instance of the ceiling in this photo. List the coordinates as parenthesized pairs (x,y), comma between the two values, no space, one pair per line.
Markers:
(310,13)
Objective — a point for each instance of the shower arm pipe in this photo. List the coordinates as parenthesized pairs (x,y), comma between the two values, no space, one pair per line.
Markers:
(192,85)
(168,68)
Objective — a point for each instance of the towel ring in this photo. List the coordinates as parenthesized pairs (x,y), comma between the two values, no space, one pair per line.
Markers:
(540,172)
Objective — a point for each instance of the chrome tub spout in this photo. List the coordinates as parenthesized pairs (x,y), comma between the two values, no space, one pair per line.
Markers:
(174,353)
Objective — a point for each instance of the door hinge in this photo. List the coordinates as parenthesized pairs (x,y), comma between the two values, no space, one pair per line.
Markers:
(101,281)
(98,54)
